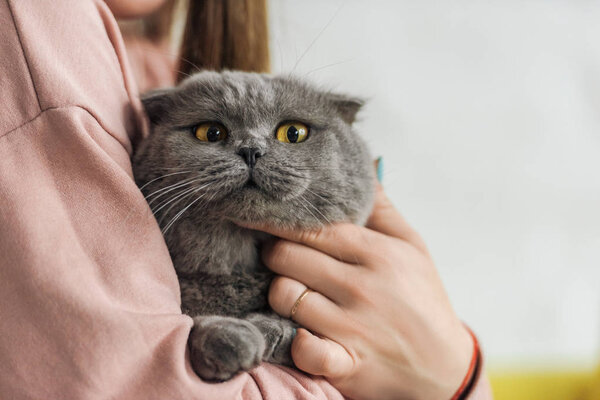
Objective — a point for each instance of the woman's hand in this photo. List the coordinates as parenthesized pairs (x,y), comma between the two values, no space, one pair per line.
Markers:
(379,324)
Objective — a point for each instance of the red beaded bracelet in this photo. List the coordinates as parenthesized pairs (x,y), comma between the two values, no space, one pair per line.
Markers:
(469,381)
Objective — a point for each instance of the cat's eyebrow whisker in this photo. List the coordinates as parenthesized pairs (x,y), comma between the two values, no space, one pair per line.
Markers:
(198,69)
(328,66)
(163,176)
(318,36)
(171,54)
(182,73)
(280,54)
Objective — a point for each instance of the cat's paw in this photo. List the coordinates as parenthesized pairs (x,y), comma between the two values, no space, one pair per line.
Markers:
(279,334)
(220,347)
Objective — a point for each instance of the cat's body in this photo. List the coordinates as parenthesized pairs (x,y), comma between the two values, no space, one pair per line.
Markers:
(200,189)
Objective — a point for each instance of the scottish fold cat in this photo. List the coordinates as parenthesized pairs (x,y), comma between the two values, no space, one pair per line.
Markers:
(232,147)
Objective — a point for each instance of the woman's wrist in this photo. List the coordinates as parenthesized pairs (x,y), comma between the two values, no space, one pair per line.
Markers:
(471,376)
(452,363)
(438,370)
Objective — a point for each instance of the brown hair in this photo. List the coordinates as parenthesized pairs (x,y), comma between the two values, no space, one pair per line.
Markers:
(225,34)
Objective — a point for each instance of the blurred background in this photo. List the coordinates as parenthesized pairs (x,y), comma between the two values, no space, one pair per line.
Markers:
(487,115)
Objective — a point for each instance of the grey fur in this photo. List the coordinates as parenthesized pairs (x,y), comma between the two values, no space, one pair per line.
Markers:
(198,192)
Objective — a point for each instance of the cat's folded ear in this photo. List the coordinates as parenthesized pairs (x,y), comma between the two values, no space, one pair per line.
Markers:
(157,103)
(347,106)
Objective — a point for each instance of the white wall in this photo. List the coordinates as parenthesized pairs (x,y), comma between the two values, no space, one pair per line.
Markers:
(487,114)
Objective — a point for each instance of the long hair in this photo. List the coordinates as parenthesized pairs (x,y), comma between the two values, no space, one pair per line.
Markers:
(225,34)
(217,35)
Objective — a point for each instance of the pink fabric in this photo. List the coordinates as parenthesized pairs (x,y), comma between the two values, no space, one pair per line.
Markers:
(152,63)
(89,300)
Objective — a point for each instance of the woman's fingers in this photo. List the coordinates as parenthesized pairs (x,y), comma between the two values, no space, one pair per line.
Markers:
(315,311)
(313,268)
(351,243)
(386,219)
(344,241)
(320,356)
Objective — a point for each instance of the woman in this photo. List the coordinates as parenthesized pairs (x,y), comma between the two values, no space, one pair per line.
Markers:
(88,297)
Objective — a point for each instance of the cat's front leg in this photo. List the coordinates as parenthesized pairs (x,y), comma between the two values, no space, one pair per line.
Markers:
(278,333)
(220,347)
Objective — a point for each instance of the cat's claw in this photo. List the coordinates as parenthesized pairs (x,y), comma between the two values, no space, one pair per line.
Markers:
(220,347)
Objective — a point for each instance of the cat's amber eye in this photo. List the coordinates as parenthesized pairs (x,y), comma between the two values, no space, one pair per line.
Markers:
(210,132)
(292,132)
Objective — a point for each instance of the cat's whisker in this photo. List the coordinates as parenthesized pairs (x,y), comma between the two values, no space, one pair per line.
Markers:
(168,210)
(310,179)
(163,176)
(317,210)
(308,210)
(319,196)
(163,188)
(178,196)
(162,191)
(318,168)
(166,213)
(176,216)
(211,197)
(187,166)
(180,213)
(173,200)
(337,250)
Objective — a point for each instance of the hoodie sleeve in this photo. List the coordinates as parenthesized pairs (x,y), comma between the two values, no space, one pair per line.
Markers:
(89,300)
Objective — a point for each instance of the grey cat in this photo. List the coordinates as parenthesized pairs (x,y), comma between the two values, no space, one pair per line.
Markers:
(235,147)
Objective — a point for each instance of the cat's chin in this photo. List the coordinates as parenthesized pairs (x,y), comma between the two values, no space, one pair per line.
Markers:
(250,223)
(251,184)
(252,191)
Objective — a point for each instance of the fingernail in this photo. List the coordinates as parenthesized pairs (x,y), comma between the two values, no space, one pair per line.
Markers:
(379,168)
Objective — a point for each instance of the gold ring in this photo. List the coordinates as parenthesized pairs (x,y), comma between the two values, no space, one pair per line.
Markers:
(297,303)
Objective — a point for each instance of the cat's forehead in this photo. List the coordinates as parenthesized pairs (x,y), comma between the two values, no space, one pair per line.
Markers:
(253,98)
(249,86)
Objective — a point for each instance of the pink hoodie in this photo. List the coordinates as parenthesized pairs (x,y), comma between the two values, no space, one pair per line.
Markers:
(89,300)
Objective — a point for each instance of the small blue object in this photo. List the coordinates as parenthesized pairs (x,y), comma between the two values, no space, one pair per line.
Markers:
(294,332)
(380,168)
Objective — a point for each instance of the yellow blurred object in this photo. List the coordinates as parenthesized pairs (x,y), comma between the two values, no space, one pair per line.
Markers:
(593,391)
(545,385)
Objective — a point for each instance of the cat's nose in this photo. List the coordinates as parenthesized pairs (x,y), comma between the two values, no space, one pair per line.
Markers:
(250,154)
